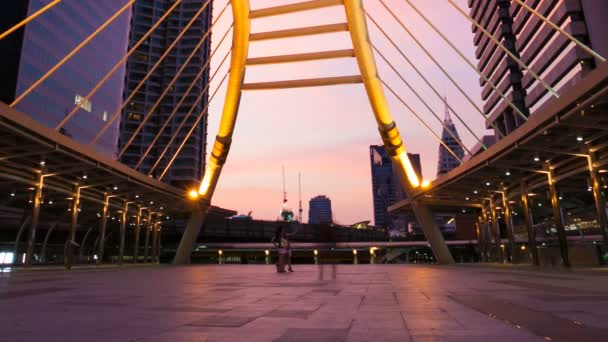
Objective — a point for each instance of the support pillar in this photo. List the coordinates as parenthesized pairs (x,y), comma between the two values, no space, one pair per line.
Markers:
(102,228)
(147,242)
(197,218)
(84,240)
(480,245)
(137,230)
(496,232)
(31,240)
(598,196)
(154,240)
(509,225)
(525,204)
(123,230)
(158,242)
(432,233)
(69,251)
(487,233)
(47,236)
(559,222)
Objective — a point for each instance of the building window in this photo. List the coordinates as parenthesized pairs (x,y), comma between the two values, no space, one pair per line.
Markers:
(134,117)
(82,103)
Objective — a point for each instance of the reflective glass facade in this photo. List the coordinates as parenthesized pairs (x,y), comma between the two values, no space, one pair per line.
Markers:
(50,38)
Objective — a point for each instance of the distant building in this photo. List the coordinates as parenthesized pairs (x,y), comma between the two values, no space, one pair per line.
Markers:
(30,52)
(187,169)
(488,140)
(386,188)
(447,161)
(319,210)
(550,54)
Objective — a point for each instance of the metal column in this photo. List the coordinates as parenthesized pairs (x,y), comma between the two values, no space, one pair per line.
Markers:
(598,196)
(158,242)
(525,204)
(102,229)
(43,258)
(123,229)
(559,222)
(31,240)
(496,232)
(197,218)
(147,241)
(509,225)
(73,226)
(26,221)
(137,230)
(485,226)
(154,241)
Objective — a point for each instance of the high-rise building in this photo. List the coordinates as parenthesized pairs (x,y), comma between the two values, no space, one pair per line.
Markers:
(188,167)
(319,210)
(31,52)
(386,188)
(557,60)
(447,161)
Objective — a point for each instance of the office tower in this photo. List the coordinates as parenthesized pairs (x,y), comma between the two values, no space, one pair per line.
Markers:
(31,52)
(447,162)
(386,188)
(319,210)
(550,54)
(188,167)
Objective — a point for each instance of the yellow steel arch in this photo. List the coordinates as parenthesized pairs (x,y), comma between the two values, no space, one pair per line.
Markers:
(388,129)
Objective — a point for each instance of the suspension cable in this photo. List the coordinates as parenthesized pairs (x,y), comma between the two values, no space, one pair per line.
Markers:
(29,19)
(420,98)
(168,86)
(181,124)
(466,60)
(72,53)
(119,64)
(507,51)
(198,119)
(562,31)
(422,121)
(183,98)
(428,83)
(443,70)
(141,83)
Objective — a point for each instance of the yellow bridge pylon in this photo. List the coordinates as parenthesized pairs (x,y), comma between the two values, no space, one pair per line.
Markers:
(362,50)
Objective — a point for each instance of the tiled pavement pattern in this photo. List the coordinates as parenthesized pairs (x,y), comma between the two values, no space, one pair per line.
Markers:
(316,303)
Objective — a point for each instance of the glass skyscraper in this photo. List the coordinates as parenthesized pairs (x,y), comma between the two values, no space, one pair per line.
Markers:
(319,210)
(29,53)
(188,167)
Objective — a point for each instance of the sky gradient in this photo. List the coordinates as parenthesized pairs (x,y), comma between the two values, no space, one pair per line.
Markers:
(325,133)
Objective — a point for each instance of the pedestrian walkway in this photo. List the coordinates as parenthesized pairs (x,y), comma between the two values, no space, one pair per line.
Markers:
(316,303)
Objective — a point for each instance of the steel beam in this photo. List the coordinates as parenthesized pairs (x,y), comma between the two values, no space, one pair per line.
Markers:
(304,83)
(509,225)
(47,236)
(73,226)
(147,241)
(24,224)
(496,231)
(558,219)
(302,57)
(31,240)
(598,196)
(293,8)
(525,204)
(137,230)
(197,219)
(123,230)
(102,228)
(299,32)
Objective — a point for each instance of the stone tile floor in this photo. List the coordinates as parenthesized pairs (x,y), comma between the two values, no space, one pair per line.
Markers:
(316,303)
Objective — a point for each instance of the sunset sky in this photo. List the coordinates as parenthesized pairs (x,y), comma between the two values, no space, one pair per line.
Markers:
(325,133)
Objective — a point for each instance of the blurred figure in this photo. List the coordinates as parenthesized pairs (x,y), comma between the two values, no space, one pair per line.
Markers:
(281,242)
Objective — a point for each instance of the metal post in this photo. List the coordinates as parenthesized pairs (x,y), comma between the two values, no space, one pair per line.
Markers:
(598,196)
(158,243)
(31,241)
(102,228)
(496,231)
(84,240)
(47,236)
(559,222)
(73,226)
(525,203)
(18,238)
(123,229)
(137,230)
(147,242)
(509,225)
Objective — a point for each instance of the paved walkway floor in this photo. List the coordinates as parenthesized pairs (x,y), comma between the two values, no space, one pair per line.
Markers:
(316,303)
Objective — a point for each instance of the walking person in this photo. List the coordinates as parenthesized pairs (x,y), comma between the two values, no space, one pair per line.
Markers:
(280,241)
